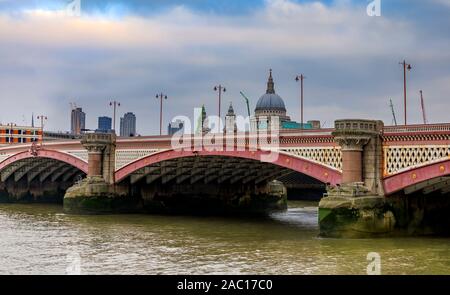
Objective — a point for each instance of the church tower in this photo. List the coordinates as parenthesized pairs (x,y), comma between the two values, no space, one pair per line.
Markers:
(230,120)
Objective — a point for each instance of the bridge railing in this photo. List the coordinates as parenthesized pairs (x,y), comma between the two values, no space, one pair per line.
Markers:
(417,128)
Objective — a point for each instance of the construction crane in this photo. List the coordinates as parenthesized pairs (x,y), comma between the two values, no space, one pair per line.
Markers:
(422,103)
(247,102)
(393,112)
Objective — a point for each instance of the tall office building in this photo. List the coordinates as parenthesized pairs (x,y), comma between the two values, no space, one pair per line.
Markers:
(78,121)
(104,124)
(128,125)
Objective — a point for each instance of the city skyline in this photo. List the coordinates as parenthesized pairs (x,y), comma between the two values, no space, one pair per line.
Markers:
(130,50)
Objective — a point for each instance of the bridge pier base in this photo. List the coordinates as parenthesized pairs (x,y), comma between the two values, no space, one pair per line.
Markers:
(97,193)
(357,208)
(350,211)
(95,196)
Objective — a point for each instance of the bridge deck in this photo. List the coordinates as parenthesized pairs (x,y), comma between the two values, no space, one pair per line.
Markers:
(405,148)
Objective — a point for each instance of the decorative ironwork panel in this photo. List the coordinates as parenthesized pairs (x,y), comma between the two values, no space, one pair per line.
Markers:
(328,156)
(401,158)
(4,157)
(124,157)
(81,154)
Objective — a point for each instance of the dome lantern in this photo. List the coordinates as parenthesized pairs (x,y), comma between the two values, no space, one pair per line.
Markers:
(270,101)
(270,84)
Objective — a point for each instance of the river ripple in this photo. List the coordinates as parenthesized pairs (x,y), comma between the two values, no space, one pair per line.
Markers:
(40,239)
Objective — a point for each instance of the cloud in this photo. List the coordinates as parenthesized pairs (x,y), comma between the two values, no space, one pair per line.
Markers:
(443,2)
(282,27)
(350,59)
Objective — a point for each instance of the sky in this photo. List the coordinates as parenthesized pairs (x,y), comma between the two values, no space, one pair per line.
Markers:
(129,51)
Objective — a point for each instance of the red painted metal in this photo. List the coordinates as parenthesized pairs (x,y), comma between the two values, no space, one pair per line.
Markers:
(410,177)
(51,154)
(315,170)
(430,134)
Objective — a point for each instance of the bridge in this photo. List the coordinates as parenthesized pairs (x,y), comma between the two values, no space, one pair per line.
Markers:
(366,166)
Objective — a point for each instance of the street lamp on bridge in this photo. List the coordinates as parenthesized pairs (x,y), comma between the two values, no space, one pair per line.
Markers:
(408,67)
(11,126)
(114,104)
(42,118)
(220,89)
(301,78)
(161,96)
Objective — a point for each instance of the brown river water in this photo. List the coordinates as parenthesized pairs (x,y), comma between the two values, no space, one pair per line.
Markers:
(41,239)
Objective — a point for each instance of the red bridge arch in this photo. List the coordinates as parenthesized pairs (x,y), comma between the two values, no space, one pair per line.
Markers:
(414,176)
(312,169)
(50,154)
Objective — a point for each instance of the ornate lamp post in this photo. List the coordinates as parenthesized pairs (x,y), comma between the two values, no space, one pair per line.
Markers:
(114,104)
(301,78)
(42,118)
(161,96)
(408,67)
(11,126)
(220,89)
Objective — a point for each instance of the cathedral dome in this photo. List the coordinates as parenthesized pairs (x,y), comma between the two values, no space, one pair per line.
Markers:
(270,101)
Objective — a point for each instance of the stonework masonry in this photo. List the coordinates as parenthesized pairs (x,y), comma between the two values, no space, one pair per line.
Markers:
(101,149)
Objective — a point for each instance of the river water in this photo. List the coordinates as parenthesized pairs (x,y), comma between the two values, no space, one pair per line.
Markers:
(40,239)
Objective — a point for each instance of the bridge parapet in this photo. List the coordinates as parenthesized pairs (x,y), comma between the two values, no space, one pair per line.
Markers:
(317,146)
(4,157)
(417,128)
(357,126)
(329,156)
(127,156)
(410,147)
(81,154)
(402,158)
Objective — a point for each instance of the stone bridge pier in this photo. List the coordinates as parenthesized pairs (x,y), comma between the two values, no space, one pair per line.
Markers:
(357,206)
(101,155)
(98,193)
(101,193)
